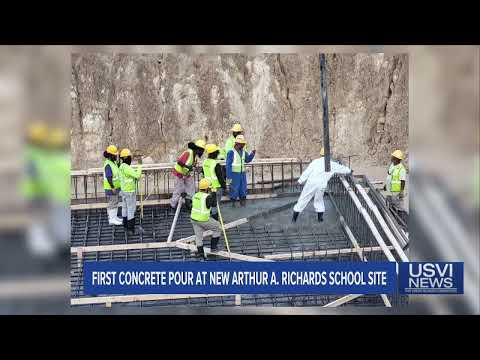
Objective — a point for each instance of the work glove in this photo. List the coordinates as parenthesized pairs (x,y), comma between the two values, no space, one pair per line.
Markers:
(254,152)
(215,216)
(384,187)
(229,181)
(189,167)
(401,195)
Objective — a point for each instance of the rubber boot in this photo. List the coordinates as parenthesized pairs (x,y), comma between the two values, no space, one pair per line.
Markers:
(295,216)
(234,203)
(201,253)
(131,226)
(215,216)
(243,201)
(125,223)
(214,244)
(116,215)
(320,216)
(188,204)
(112,217)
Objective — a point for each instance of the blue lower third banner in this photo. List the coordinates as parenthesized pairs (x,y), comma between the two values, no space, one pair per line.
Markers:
(226,277)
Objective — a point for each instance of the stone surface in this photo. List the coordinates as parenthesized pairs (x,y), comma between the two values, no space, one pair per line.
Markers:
(156,103)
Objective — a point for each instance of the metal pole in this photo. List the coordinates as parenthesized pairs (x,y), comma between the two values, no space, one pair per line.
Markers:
(175,219)
(323,87)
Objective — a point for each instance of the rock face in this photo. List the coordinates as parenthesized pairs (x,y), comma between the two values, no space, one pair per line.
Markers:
(156,103)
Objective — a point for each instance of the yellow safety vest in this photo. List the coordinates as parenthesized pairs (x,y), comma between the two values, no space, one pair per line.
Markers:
(115,175)
(395,182)
(209,172)
(200,212)
(238,164)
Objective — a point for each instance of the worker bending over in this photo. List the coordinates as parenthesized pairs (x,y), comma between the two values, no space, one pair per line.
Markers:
(316,180)
(111,184)
(396,177)
(212,171)
(236,174)
(183,172)
(202,203)
(230,142)
(128,178)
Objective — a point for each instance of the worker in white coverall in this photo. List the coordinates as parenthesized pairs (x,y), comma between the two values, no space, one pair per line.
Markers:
(315,179)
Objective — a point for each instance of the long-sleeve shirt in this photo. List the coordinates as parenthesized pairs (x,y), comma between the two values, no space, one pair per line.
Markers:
(316,175)
(211,200)
(248,158)
(220,175)
(182,160)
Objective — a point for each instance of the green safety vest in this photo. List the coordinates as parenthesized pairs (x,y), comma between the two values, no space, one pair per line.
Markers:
(183,170)
(209,172)
(34,187)
(128,175)
(229,144)
(200,212)
(395,182)
(115,175)
(238,164)
(58,185)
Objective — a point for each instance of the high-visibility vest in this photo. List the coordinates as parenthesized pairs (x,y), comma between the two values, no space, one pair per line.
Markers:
(115,175)
(33,185)
(238,164)
(200,212)
(229,144)
(395,182)
(127,177)
(58,167)
(209,172)
(182,169)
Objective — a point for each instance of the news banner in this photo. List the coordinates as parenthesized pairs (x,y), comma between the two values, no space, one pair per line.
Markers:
(289,277)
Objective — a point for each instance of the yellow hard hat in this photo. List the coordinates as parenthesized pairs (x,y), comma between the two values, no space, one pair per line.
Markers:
(57,137)
(125,153)
(211,148)
(37,132)
(322,151)
(112,149)
(398,154)
(240,139)
(237,128)
(204,184)
(200,143)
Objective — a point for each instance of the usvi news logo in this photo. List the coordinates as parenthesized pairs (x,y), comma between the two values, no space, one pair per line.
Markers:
(431,278)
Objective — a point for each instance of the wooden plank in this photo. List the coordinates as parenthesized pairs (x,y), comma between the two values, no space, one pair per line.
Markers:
(209,232)
(143,297)
(300,254)
(161,202)
(224,254)
(342,300)
(147,245)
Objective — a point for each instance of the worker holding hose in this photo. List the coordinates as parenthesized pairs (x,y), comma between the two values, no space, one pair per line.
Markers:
(202,204)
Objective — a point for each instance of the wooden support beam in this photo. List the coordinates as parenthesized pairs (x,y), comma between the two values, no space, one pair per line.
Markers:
(224,254)
(133,298)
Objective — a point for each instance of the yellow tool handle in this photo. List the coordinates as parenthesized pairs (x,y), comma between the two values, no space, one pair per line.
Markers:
(223,227)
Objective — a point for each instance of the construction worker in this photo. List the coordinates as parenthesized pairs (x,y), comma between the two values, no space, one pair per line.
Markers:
(236,174)
(213,172)
(34,189)
(202,203)
(128,178)
(315,179)
(230,142)
(183,172)
(111,184)
(396,178)
(58,188)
